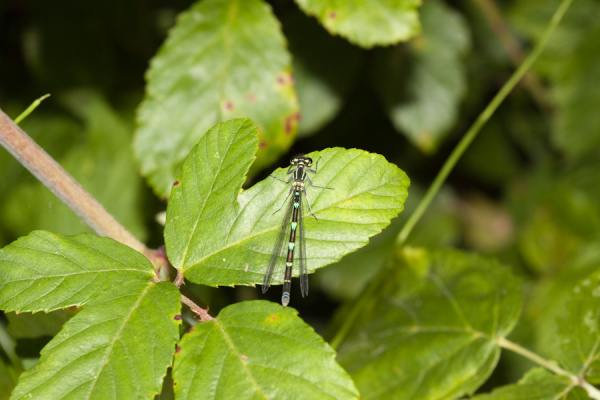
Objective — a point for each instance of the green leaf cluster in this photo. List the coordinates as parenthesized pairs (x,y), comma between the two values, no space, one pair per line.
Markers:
(109,344)
(230,85)
(105,345)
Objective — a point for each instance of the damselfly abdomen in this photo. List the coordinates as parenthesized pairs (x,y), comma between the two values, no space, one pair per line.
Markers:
(292,223)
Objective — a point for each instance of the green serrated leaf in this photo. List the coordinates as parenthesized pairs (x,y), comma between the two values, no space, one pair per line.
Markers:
(537,384)
(224,59)
(439,227)
(118,347)
(367,23)
(548,298)
(422,87)
(203,195)
(578,330)
(219,240)
(346,279)
(257,349)
(46,272)
(431,332)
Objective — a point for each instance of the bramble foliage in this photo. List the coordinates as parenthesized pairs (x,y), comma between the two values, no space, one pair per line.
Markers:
(230,86)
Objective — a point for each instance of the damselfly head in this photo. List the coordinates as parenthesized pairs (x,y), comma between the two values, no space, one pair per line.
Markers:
(301,159)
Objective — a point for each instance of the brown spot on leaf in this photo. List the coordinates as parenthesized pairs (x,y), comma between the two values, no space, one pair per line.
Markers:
(251,97)
(291,122)
(228,106)
(177,317)
(262,144)
(332,15)
(176,183)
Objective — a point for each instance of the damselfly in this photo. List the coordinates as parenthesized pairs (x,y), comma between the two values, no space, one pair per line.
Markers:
(300,166)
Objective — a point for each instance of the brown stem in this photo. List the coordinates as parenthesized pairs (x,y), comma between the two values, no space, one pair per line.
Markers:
(202,313)
(55,178)
(178,279)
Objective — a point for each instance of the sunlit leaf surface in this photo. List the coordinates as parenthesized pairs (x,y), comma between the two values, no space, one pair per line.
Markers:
(45,271)
(219,236)
(223,59)
(367,23)
(118,347)
(257,349)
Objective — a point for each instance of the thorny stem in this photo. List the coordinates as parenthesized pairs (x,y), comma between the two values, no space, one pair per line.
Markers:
(202,313)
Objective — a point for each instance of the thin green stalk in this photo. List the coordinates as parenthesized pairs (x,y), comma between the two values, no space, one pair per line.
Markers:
(462,146)
(479,123)
(549,365)
(30,109)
